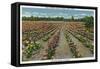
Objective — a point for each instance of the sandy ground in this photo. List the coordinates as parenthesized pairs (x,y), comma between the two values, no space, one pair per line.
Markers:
(62,50)
(85,52)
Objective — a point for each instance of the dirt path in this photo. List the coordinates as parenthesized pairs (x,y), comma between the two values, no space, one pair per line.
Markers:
(63,50)
(85,52)
(39,55)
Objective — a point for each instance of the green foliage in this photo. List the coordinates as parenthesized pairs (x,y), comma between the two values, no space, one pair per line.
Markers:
(81,39)
(50,53)
(88,21)
(72,18)
(31,49)
(45,38)
(42,18)
(90,47)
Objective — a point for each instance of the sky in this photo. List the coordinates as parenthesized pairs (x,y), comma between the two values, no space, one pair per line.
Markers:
(56,12)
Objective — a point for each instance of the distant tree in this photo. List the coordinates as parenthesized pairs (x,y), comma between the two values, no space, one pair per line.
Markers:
(88,21)
(31,18)
(72,18)
(24,18)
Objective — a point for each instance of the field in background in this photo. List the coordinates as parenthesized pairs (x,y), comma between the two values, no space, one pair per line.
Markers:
(43,40)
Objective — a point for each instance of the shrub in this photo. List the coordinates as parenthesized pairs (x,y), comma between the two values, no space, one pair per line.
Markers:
(31,49)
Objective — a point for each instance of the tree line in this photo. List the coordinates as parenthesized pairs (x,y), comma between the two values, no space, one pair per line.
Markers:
(32,18)
(87,19)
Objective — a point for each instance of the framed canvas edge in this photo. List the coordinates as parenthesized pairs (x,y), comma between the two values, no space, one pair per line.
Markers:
(18,4)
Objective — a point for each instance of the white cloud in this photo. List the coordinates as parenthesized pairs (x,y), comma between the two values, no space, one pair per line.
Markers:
(83,14)
(25,13)
(36,13)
